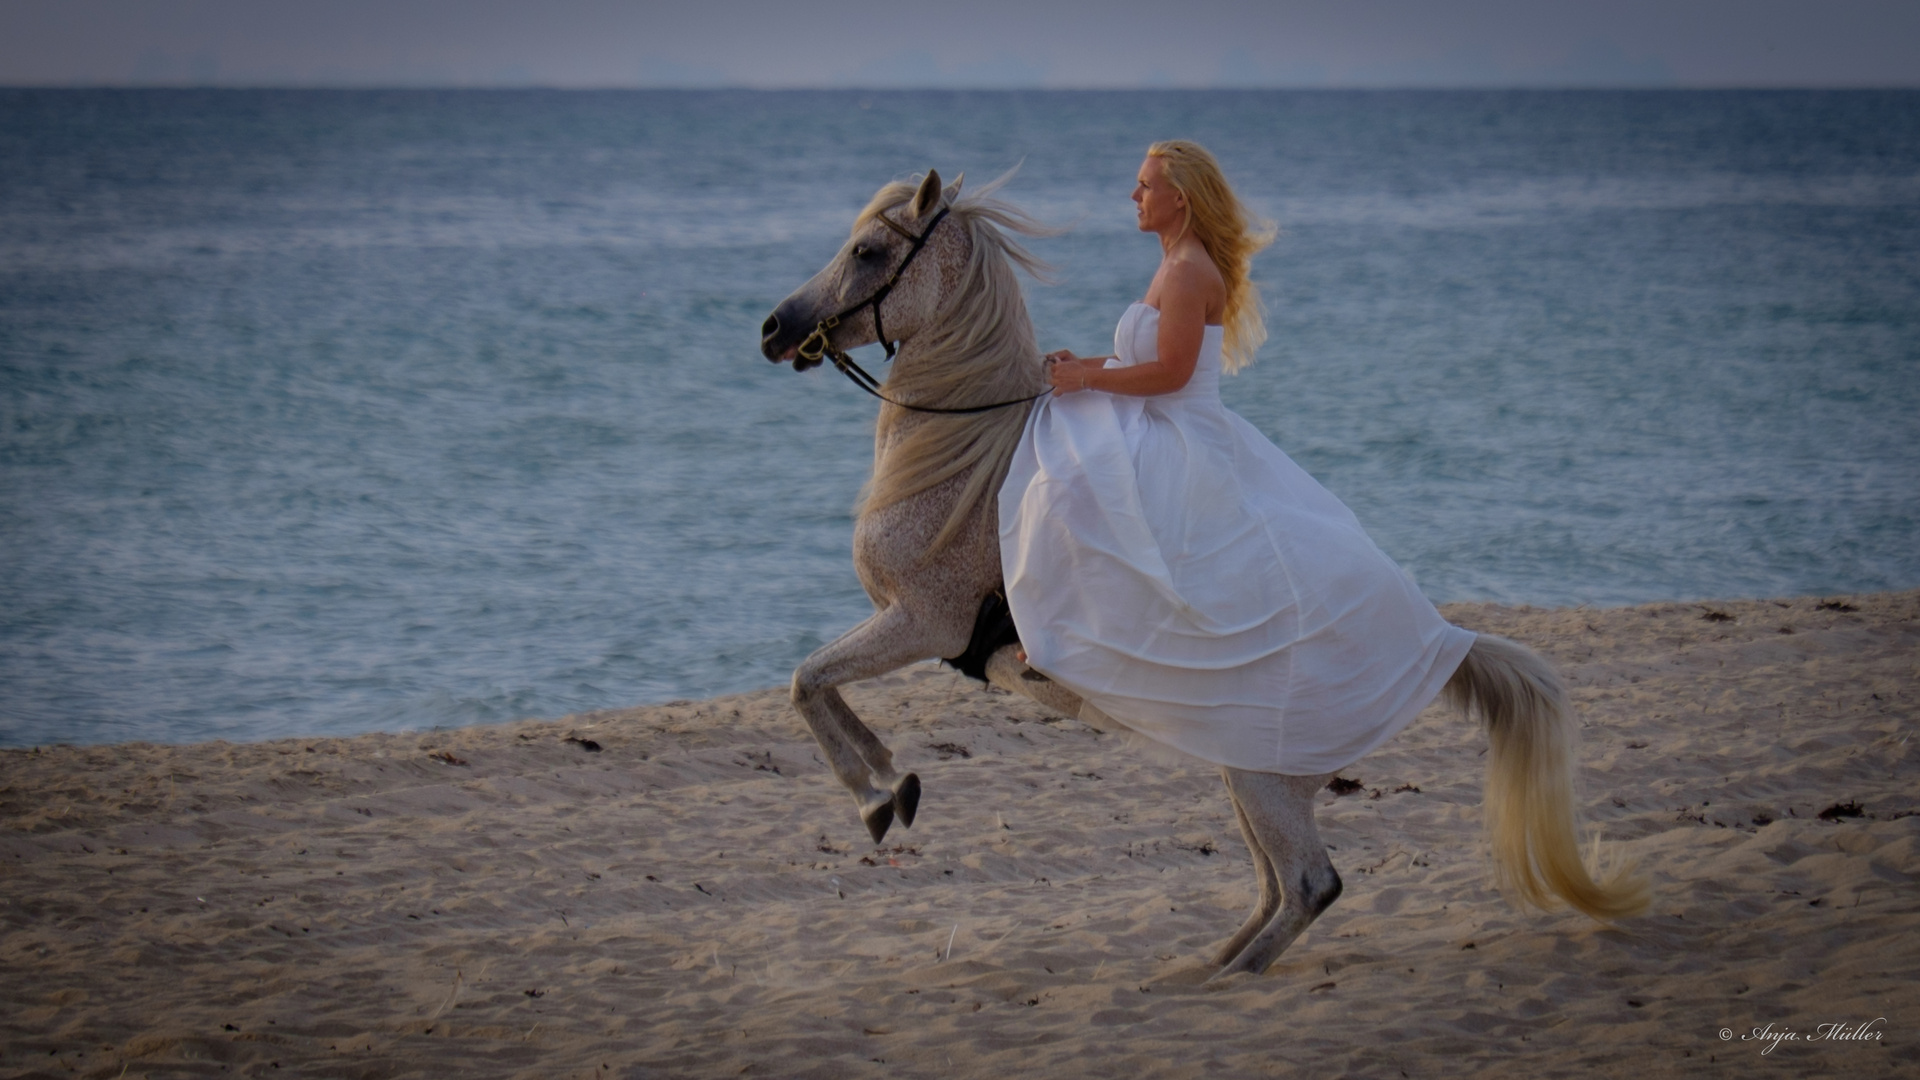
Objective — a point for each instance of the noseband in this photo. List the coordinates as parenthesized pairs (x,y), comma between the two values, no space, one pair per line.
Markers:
(816,346)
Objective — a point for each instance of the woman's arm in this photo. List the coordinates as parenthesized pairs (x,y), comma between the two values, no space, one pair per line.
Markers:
(1183,323)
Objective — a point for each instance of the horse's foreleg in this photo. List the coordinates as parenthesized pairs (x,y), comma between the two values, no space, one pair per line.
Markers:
(882,793)
(1277,814)
(888,640)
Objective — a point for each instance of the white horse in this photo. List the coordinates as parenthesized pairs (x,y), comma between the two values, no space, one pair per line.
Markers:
(934,272)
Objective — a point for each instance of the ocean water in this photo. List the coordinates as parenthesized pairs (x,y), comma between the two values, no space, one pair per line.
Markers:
(324,412)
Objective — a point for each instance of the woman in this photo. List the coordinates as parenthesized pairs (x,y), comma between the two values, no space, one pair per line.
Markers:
(1172,566)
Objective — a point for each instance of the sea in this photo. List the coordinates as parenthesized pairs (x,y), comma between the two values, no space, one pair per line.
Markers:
(324,412)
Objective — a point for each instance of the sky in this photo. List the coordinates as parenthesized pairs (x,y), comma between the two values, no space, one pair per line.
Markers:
(961,43)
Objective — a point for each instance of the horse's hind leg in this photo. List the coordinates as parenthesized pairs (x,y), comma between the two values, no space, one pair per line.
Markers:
(1269,899)
(1011,674)
(1276,814)
(886,641)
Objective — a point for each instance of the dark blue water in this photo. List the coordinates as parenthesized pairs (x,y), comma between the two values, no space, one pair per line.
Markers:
(323,412)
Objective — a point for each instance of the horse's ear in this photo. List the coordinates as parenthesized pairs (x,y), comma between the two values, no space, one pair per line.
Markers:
(952,191)
(928,196)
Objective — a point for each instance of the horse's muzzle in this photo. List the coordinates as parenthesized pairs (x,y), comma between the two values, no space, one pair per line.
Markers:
(780,337)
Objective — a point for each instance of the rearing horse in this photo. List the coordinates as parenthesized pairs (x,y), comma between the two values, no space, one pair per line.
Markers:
(934,272)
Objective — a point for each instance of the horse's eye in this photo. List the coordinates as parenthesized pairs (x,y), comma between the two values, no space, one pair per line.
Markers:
(859,251)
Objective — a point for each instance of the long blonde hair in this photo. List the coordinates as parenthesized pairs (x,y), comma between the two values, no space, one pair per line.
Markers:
(1232,235)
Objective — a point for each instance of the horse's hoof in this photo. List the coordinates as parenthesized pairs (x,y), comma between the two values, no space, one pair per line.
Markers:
(879,818)
(1225,975)
(906,799)
(1238,964)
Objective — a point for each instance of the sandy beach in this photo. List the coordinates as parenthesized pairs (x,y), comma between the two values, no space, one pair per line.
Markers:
(683,890)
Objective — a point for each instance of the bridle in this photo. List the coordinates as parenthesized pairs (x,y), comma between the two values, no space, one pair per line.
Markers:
(815,346)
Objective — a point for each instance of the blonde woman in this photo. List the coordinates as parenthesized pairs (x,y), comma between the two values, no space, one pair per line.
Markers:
(1176,569)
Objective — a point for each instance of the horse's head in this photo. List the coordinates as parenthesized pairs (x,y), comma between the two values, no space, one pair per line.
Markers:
(901,227)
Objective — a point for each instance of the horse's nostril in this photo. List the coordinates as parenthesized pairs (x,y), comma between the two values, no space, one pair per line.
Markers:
(770,327)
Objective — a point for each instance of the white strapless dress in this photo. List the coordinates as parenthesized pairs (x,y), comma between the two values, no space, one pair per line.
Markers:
(1178,571)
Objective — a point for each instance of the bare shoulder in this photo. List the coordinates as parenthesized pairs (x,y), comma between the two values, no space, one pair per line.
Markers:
(1190,275)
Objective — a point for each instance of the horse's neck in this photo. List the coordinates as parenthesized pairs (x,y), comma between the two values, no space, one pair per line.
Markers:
(944,465)
(896,425)
(915,374)
(902,437)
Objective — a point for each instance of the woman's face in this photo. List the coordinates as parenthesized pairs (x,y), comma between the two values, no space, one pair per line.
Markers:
(1161,208)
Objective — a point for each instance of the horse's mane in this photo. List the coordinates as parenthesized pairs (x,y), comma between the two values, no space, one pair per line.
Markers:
(978,350)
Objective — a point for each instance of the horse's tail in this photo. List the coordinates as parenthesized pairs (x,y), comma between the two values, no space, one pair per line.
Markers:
(1530,816)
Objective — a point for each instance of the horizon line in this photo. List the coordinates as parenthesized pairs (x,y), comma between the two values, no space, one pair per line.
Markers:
(949,88)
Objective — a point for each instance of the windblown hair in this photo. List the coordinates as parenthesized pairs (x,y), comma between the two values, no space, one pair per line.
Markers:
(978,349)
(1232,235)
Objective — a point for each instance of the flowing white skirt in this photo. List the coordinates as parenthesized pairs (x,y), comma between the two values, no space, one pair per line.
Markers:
(1172,566)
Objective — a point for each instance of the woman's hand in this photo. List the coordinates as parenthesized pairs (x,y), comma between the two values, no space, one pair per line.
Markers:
(1069,373)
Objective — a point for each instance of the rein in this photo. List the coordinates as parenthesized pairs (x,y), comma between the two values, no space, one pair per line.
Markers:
(816,346)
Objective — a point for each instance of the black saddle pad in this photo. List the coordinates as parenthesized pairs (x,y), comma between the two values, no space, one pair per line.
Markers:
(992,628)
